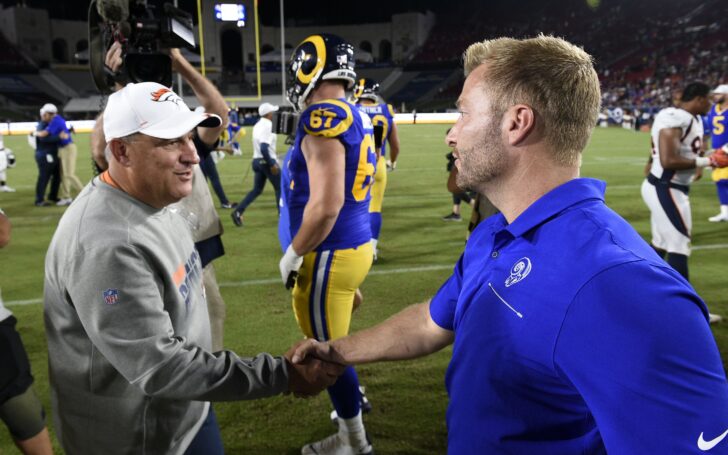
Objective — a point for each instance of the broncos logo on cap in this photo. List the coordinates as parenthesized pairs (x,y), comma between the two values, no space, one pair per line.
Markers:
(165,94)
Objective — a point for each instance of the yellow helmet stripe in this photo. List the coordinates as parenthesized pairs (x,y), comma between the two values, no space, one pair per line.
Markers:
(318,43)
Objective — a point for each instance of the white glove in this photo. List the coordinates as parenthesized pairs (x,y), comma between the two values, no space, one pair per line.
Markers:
(391,165)
(289,265)
(237,152)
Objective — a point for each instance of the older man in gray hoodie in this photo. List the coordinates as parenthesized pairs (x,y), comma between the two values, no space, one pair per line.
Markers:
(131,367)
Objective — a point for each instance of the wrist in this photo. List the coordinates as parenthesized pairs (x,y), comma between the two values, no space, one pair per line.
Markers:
(291,252)
(702,161)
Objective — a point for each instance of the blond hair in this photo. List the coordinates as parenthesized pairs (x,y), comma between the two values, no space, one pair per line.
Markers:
(556,78)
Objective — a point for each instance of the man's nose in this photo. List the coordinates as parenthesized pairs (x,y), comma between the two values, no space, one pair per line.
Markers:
(450,139)
(189,154)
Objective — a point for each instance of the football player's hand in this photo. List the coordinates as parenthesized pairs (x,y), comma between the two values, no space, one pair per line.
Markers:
(310,376)
(311,348)
(11,158)
(275,170)
(391,165)
(719,158)
(289,265)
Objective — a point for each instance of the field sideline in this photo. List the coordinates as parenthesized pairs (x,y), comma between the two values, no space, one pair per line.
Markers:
(417,252)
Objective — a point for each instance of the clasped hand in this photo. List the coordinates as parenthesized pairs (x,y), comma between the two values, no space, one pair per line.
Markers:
(308,375)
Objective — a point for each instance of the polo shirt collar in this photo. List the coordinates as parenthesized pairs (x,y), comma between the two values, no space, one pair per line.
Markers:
(553,203)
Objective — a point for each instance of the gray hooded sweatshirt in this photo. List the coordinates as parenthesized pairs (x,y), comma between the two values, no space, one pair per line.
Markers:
(128,331)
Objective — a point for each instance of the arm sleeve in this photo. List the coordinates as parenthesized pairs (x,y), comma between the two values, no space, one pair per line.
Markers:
(443,304)
(266,155)
(637,346)
(50,139)
(56,126)
(137,337)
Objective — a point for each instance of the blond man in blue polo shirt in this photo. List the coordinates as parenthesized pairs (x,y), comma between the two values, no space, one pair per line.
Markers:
(570,335)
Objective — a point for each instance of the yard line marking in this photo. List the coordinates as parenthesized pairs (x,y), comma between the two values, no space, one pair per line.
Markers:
(717,246)
(425,268)
(23,302)
(233,284)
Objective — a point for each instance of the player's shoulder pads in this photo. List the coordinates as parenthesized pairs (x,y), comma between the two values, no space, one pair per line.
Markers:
(329,118)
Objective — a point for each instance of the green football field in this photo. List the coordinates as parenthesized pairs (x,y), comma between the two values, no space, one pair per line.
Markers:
(417,251)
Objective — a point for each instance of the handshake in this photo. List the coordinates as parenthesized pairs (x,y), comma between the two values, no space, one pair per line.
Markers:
(312,367)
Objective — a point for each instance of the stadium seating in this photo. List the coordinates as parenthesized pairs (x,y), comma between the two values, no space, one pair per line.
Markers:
(643,51)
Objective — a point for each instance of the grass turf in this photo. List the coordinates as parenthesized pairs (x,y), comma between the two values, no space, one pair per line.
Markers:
(417,251)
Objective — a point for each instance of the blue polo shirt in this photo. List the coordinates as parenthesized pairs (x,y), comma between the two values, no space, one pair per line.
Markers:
(58,125)
(573,337)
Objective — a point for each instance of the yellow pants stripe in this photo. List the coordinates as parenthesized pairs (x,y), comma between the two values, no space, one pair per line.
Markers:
(324,293)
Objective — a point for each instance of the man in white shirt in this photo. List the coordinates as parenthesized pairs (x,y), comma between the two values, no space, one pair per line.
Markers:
(265,164)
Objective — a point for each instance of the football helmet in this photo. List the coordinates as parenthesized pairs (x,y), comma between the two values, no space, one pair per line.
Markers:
(318,57)
(367,89)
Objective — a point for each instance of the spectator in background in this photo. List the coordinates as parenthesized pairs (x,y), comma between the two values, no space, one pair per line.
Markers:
(66,152)
(7,160)
(265,162)
(20,408)
(367,98)
(209,169)
(718,130)
(233,130)
(46,157)
(458,195)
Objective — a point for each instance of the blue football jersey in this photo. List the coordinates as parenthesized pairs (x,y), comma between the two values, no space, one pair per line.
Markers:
(717,125)
(381,114)
(337,119)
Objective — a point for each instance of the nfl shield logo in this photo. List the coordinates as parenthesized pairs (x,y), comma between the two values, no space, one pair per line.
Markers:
(111,296)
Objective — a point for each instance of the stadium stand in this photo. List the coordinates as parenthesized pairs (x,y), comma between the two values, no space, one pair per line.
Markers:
(643,50)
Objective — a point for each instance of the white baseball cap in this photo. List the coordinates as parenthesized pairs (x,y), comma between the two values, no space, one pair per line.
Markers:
(48,108)
(267,108)
(152,109)
(721,89)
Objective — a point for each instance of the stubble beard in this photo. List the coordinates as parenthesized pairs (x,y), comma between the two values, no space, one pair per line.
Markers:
(484,162)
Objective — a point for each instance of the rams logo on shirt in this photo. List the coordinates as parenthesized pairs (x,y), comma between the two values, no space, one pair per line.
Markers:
(519,271)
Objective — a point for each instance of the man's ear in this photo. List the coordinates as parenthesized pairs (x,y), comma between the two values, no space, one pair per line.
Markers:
(120,152)
(520,122)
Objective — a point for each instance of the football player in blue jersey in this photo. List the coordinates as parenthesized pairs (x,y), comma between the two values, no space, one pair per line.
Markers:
(366,96)
(718,128)
(233,130)
(330,170)
(569,334)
